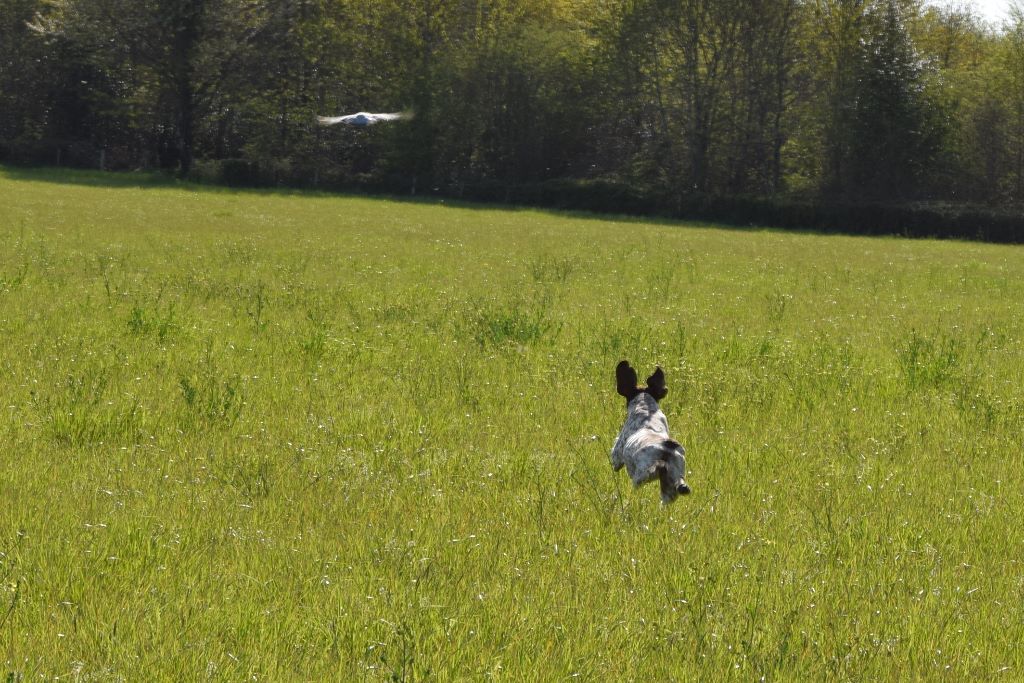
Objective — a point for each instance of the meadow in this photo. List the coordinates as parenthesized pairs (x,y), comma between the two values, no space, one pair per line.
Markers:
(283,436)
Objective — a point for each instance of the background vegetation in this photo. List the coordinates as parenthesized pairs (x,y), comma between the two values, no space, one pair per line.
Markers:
(270,436)
(836,102)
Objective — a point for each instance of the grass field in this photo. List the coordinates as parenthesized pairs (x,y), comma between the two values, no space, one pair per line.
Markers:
(272,436)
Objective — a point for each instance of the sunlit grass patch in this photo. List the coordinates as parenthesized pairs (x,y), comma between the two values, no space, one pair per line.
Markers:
(313,437)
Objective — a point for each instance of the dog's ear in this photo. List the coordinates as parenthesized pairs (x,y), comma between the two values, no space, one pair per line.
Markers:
(656,385)
(625,380)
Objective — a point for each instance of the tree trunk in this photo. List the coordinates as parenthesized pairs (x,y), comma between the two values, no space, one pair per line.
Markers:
(187,18)
(186,130)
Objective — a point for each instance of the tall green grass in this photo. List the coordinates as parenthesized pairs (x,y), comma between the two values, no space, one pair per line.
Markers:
(272,436)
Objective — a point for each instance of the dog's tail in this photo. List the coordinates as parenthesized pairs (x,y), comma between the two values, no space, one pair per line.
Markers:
(671,446)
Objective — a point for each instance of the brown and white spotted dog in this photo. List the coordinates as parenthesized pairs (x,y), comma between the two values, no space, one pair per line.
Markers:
(643,446)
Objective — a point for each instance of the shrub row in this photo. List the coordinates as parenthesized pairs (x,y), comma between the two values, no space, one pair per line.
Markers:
(909,220)
(970,222)
(602,196)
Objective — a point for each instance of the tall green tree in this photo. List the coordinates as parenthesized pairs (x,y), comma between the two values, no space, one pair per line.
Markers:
(837,50)
(896,129)
(1013,69)
(967,85)
(172,54)
(709,83)
(22,108)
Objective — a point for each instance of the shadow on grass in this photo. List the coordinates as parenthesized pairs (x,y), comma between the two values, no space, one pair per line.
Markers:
(67,176)
(837,219)
(163,180)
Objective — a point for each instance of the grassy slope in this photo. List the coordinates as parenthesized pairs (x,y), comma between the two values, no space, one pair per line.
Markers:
(324,437)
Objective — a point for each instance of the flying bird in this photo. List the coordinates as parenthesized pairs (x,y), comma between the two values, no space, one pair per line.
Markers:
(362,119)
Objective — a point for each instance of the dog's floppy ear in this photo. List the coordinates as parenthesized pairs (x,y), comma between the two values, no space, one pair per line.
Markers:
(625,380)
(656,385)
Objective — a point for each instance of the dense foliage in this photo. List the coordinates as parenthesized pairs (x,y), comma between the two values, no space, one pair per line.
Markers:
(852,100)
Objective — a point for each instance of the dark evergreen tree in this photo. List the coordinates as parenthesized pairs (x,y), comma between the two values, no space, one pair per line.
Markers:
(895,130)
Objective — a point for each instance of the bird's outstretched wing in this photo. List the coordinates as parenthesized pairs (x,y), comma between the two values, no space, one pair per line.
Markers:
(395,116)
(330,120)
(362,119)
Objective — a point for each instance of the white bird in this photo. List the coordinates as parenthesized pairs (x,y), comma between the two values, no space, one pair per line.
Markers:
(362,119)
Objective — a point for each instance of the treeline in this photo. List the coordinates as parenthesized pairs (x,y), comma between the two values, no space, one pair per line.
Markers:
(879,102)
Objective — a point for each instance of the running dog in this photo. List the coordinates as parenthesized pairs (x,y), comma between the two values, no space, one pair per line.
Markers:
(643,446)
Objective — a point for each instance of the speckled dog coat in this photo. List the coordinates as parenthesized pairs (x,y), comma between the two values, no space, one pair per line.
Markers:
(643,446)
